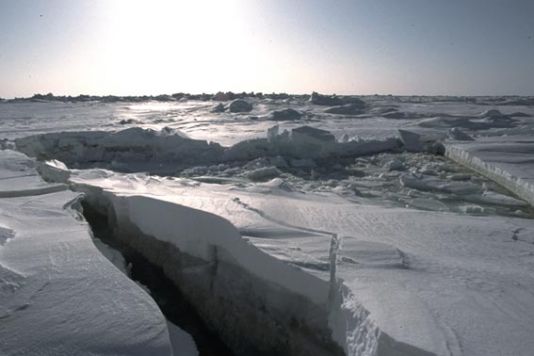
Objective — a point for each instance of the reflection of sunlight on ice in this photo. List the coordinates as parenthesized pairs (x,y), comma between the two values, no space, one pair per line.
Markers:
(156,106)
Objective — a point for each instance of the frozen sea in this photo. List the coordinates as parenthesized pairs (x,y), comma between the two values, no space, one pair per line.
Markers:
(385,226)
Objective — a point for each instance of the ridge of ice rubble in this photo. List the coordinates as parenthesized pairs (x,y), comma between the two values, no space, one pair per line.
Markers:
(58,294)
(165,151)
(305,159)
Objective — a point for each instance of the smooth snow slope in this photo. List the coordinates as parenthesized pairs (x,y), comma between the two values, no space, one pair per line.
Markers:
(413,282)
(58,294)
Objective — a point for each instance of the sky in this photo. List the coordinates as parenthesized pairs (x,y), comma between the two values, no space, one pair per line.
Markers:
(129,47)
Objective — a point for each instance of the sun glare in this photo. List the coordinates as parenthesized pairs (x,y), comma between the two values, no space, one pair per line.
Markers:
(173,42)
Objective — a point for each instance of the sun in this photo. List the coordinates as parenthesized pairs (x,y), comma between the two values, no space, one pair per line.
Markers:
(159,44)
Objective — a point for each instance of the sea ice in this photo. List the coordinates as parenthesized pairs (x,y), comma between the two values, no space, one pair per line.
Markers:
(58,294)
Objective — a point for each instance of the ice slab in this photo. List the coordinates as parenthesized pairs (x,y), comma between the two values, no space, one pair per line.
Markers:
(58,294)
(508,160)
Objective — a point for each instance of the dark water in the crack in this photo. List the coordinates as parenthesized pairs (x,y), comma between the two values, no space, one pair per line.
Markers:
(167,296)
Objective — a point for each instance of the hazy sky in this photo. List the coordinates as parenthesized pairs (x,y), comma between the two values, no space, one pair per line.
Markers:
(465,47)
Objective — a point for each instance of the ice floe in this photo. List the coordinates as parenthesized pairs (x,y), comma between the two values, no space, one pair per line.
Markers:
(58,294)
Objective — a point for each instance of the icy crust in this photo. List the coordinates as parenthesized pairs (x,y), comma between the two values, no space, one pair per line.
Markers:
(507,160)
(405,281)
(58,294)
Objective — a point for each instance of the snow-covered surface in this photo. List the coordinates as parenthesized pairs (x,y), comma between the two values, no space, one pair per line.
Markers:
(431,259)
(196,119)
(58,294)
(436,282)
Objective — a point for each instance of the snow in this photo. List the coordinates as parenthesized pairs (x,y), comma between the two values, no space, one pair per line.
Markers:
(58,294)
(424,280)
(324,219)
(347,109)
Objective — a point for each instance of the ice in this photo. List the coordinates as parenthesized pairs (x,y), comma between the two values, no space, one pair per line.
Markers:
(392,264)
(507,160)
(373,245)
(303,134)
(395,165)
(369,254)
(218,108)
(6,235)
(486,122)
(347,109)
(519,114)
(132,149)
(494,198)
(285,114)
(456,134)
(427,183)
(319,99)
(420,141)
(263,174)
(240,105)
(169,151)
(58,294)
(333,100)
(427,204)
